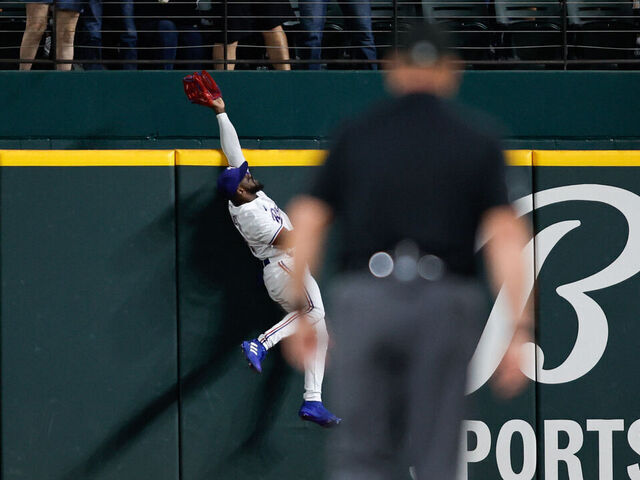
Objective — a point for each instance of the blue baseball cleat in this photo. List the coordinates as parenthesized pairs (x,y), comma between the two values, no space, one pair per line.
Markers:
(254,352)
(316,413)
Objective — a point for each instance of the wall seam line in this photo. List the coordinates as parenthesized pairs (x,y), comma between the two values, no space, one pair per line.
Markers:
(536,323)
(177,297)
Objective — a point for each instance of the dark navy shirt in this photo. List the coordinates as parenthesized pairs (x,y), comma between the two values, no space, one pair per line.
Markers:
(414,168)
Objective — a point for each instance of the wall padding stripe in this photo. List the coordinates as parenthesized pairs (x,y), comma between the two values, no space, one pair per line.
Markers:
(283,158)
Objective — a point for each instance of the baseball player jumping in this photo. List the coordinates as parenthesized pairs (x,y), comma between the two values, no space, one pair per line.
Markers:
(265,228)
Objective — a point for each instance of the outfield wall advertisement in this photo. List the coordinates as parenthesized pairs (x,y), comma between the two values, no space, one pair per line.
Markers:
(124,297)
(578,418)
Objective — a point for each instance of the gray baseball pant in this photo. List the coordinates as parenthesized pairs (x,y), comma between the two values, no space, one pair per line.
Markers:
(398,374)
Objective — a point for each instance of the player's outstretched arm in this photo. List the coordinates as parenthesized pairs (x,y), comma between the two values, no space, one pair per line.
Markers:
(229,140)
(201,89)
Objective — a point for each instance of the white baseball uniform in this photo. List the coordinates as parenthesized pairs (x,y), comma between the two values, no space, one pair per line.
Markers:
(259,222)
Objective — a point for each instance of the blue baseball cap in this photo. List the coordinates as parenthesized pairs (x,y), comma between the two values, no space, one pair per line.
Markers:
(230,178)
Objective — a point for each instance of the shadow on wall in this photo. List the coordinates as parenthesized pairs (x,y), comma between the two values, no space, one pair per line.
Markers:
(221,301)
(227,409)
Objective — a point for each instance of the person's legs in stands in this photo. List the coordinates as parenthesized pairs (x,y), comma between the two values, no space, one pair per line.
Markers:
(218,54)
(191,38)
(66,21)
(238,23)
(268,17)
(312,17)
(168,40)
(277,47)
(35,27)
(129,37)
(358,15)
(91,26)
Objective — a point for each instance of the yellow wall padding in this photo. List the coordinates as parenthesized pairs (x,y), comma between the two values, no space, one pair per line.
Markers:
(256,158)
(284,158)
(87,158)
(586,158)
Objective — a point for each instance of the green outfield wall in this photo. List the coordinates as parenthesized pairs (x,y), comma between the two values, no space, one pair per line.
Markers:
(105,110)
(125,289)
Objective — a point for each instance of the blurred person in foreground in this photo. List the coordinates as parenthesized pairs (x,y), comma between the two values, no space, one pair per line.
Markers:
(67,13)
(411,183)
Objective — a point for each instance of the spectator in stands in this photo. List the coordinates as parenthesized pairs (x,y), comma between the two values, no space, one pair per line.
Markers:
(357,21)
(265,16)
(91,25)
(170,30)
(66,19)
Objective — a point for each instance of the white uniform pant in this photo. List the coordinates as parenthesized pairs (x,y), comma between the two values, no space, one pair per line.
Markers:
(276,279)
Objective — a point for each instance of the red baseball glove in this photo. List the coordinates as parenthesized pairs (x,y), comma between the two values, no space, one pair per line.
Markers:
(201,89)
(211,84)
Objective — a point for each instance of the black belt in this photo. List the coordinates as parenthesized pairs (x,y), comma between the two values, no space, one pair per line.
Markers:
(266,262)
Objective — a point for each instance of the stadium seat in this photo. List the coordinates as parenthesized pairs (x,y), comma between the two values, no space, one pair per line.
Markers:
(384,36)
(334,43)
(471,22)
(531,29)
(383,24)
(601,30)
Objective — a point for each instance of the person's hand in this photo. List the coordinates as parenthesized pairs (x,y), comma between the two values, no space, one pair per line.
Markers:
(508,380)
(218,105)
(299,346)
